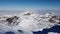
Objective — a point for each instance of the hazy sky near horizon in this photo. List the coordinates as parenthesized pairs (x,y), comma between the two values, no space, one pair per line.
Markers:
(29,4)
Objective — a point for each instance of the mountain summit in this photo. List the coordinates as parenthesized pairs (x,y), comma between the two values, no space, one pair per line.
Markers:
(30,21)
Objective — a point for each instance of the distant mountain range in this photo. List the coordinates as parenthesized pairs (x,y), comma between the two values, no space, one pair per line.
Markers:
(28,21)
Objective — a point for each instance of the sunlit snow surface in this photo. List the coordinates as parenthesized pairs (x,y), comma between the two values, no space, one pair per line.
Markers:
(53,33)
(28,22)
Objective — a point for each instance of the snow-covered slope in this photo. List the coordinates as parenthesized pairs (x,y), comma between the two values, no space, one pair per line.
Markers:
(53,33)
(36,22)
(29,21)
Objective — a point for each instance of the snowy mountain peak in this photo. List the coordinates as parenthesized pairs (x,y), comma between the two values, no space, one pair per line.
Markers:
(35,22)
(31,21)
(26,13)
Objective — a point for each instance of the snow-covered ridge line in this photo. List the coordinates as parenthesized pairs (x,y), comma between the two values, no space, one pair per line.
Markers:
(30,21)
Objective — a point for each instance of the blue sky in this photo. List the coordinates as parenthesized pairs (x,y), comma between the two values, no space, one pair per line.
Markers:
(29,4)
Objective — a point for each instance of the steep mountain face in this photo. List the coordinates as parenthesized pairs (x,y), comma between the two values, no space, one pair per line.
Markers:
(35,22)
(29,21)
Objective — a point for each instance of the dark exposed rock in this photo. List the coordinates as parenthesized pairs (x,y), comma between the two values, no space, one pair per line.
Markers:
(54,16)
(52,21)
(10,20)
(59,18)
(59,23)
(27,14)
(20,31)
